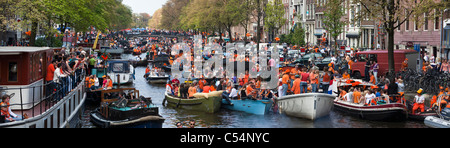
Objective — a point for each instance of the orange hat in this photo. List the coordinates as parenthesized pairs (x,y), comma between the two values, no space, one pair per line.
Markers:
(406,59)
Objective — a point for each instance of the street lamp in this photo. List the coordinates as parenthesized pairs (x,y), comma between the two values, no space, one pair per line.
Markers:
(442,31)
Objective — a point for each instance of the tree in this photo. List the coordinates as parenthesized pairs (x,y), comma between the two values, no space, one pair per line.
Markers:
(274,17)
(171,12)
(332,19)
(393,13)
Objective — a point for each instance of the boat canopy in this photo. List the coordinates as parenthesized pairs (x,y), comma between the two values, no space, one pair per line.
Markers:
(119,66)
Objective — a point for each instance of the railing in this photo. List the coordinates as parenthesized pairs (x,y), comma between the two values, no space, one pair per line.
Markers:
(53,92)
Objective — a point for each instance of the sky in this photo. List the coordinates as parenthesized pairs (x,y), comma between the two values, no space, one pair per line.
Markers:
(147,6)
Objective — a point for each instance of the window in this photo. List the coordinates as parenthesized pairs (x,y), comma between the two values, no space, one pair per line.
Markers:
(407,25)
(373,57)
(425,25)
(436,23)
(362,58)
(416,25)
(12,71)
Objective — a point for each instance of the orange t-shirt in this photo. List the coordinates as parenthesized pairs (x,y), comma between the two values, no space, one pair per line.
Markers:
(206,89)
(296,87)
(285,78)
(249,90)
(192,91)
(350,65)
(346,76)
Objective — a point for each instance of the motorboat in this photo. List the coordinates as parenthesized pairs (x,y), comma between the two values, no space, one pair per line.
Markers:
(308,105)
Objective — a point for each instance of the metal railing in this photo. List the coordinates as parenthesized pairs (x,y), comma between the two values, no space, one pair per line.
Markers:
(49,94)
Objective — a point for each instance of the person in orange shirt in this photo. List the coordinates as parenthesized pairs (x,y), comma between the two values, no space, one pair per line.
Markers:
(246,77)
(356,96)
(296,86)
(314,79)
(404,65)
(206,88)
(346,75)
(201,83)
(250,91)
(191,91)
(284,81)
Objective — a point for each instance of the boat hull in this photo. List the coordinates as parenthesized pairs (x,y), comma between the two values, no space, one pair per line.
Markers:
(157,80)
(310,105)
(258,107)
(209,105)
(386,112)
(151,121)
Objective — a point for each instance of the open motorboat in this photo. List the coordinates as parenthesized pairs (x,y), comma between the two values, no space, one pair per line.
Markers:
(124,108)
(308,105)
(380,112)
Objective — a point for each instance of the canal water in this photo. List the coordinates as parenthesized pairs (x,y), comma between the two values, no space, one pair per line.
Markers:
(235,119)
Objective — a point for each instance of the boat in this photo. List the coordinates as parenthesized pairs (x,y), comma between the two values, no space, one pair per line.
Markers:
(23,72)
(120,71)
(422,115)
(258,107)
(161,62)
(205,102)
(380,112)
(385,112)
(126,111)
(308,105)
(156,79)
(436,122)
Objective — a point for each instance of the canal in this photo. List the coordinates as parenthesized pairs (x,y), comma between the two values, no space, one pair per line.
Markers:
(235,119)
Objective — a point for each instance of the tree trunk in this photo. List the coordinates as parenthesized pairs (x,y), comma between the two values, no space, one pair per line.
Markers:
(230,35)
(391,49)
(34,26)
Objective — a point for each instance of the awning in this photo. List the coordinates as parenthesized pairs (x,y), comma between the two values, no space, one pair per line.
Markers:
(352,35)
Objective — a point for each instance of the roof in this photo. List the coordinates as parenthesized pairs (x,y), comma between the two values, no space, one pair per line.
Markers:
(385,51)
(16,49)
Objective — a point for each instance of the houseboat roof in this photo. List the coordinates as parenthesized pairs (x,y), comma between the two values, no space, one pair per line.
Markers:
(20,49)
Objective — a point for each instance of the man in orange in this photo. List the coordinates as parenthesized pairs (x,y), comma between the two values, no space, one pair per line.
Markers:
(201,83)
(296,85)
(404,65)
(250,91)
(356,96)
(284,81)
(191,91)
(419,100)
(346,75)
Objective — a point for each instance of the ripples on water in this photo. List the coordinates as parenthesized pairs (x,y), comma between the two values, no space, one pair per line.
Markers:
(235,119)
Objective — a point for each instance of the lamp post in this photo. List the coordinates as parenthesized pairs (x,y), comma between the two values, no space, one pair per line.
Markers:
(442,32)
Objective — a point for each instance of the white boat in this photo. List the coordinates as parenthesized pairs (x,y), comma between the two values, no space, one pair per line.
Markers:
(309,105)
(156,79)
(436,122)
(120,71)
(40,106)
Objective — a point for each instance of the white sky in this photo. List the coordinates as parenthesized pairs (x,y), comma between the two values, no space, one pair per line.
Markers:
(141,6)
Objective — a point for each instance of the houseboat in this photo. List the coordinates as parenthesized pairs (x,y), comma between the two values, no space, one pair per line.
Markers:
(23,71)
(120,71)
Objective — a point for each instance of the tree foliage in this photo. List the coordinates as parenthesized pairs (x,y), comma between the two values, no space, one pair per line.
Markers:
(332,19)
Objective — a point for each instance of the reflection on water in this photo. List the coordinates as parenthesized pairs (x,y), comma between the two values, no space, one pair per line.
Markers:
(234,119)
